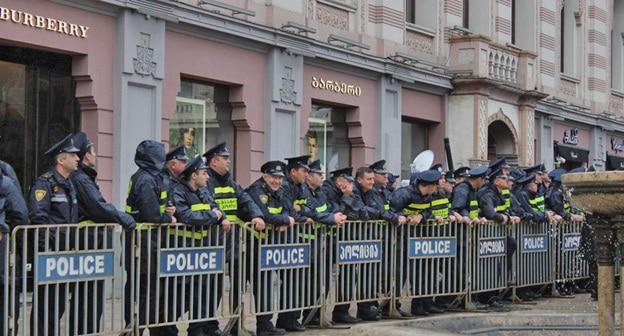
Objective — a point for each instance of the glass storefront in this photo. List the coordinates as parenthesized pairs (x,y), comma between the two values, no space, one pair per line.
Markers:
(203,118)
(414,139)
(37,108)
(327,137)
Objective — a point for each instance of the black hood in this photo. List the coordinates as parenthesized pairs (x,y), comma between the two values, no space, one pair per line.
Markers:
(150,155)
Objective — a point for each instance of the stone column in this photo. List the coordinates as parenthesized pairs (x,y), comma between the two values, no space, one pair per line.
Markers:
(618,226)
(603,239)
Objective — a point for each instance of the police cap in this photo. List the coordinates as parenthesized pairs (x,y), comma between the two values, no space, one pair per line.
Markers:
(500,163)
(343,172)
(379,167)
(192,167)
(479,171)
(315,166)
(176,154)
(526,180)
(437,166)
(429,176)
(392,178)
(461,172)
(497,174)
(556,172)
(218,150)
(537,169)
(298,162)
(517,173)
(275,168)
(82,142)
(66,145)
(449,177)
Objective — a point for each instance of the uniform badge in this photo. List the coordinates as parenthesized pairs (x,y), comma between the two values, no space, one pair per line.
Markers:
(264,199)
(55,189)
(39,194)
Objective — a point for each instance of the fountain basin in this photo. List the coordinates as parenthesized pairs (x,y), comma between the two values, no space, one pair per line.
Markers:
(598,193)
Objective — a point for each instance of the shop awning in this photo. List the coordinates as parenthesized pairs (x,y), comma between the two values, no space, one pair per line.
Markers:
(572,154)
(615,162)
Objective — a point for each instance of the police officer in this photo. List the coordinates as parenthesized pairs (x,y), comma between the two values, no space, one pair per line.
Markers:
(13,212)
(501,164)
(495,207)
(343,197)
(531,203)
(414,202)
(460,174)
(199,211)
(93,208)
(52,200)
(555,199)
(465,201)
(268,193)
(297,171)
(233,200)
(539,171)
(8,171)
(148,202)
(175,162)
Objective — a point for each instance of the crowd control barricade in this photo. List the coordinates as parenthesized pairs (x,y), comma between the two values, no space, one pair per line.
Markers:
(361,257)
(65,280)
(182,274)
(488,258)
(431,259)
(532,262)
(569,260)
(284,268)
(5,242)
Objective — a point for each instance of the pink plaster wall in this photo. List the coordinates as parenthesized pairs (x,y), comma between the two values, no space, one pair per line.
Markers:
(429,108)
(93,61)
(583,134)
(362,111)
(243,70)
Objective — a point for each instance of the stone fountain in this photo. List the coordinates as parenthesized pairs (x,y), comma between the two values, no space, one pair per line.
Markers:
(601,196)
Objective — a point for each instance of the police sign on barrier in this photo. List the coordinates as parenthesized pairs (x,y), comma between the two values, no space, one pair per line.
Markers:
(532,263)
(280,256)
(432,247)
(534,243)
(571,241)
(492,247)
(488,265)
(67,267)
(569,260)
(176,262)
(359,252)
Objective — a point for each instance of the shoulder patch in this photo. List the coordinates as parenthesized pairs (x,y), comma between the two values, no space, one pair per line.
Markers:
(39,194)
(46,176)
(264,199)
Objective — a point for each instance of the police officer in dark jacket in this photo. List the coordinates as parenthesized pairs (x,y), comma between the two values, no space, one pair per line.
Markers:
(342,194)
(526,193)
(52,200)
(316,201)
(148,202)
(199,212)
(268,193)
(175,162)
(465,201)
(92,208)
(13,212)
(8,171)
(294,186)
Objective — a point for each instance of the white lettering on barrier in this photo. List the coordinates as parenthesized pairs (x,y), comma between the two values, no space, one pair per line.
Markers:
(87,265)
(283,257)
(534,243)
(183,262)
(428,247)
(491,247)
(571,242)
(359,251)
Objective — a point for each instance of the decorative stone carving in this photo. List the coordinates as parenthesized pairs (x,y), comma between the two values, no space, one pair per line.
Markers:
(530,127)
(332,16)
(616,105)
(144,64)
(567,87)
(287,91)
(419,42)
(483,129)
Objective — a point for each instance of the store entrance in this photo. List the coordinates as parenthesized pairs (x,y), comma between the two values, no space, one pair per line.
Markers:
(37,108)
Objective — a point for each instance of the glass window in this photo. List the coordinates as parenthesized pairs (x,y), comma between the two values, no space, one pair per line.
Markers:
(414,139)
(37,108)
(327,138)
(203,118)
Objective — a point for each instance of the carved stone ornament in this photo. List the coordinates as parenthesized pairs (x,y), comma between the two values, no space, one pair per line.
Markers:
(144,64)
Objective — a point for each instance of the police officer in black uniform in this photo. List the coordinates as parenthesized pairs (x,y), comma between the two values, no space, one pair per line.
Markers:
(234,201)
(52,200)
(13,212)
(199,212)
(268,193)
(531,203)
(460,174)
(465,201)
(8,171)
(148,202)
(175,162)
(93,208)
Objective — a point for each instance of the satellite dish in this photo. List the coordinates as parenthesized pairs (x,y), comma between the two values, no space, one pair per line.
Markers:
(422,161)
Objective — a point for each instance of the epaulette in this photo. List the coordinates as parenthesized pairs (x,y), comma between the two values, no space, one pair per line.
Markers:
(46,176)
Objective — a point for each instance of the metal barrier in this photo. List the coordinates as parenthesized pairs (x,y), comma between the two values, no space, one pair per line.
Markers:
(532,263)
(284,268)
(361,257)
(488,258)
(182,273)
(5,276)
(431,259)
(71,271)
(569,261)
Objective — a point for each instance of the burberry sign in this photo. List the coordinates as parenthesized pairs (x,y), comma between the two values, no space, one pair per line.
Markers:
(42,22)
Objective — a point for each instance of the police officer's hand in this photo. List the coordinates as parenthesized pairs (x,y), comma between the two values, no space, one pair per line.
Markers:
(483,220)
(173,220)
(170,210)
(309,221)
(415,219)
(439,219)
(576,218)
(297,207)
(466,220)
(401,220)
(340,218)
(226,225)
(505,219)
(292,222)
(557,218)
(515,219)
(475,221)
(218,213)
(258,223)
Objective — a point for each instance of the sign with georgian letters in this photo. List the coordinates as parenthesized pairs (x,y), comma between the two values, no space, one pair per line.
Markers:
(571,136)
